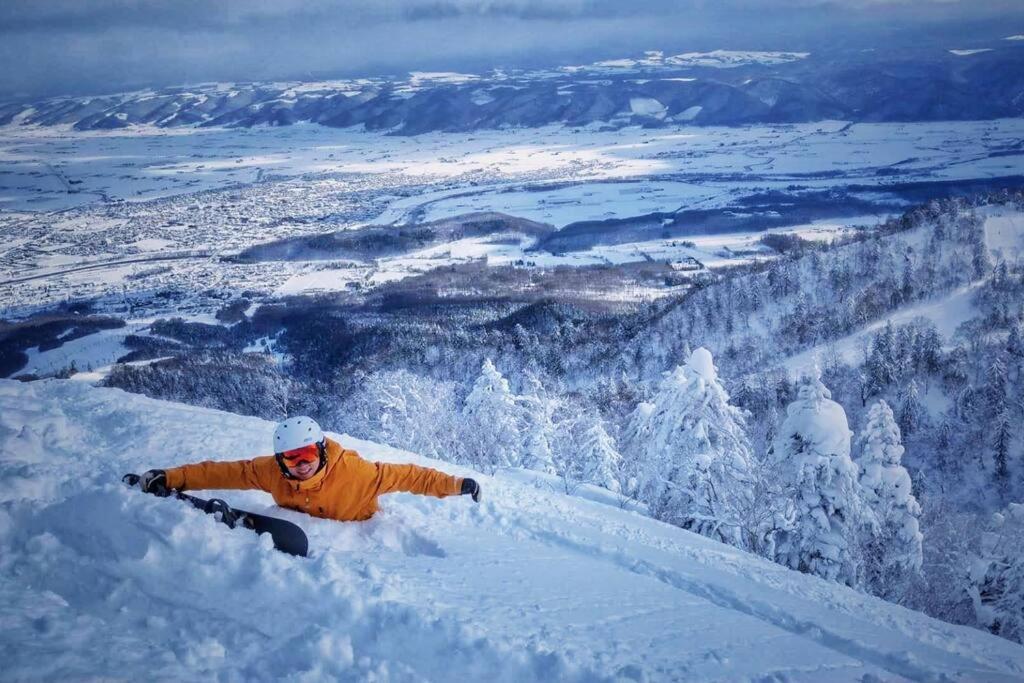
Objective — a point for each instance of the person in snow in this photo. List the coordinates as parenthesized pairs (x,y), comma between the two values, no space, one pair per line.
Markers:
(313,474)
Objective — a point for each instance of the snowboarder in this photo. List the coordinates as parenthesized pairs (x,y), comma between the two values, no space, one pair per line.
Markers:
(313,474)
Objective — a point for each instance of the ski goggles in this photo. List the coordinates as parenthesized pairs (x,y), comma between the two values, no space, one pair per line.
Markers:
(298,456)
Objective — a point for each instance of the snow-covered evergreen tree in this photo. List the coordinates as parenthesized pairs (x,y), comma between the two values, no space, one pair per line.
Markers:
(599,457)
(996,429)
(893,552)
(691,455)
(913,415)
(408,411)
(997,575)
(955,370)
(820,491)
(880,365)
(927,354)
(635,436)
(586,454)
(994,391)
(1000,439)
(538,412)
(493,422)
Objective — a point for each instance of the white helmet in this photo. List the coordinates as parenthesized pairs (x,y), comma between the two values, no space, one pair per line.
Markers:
(296,432)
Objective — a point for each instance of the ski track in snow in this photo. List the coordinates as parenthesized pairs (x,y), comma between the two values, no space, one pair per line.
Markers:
(98,581)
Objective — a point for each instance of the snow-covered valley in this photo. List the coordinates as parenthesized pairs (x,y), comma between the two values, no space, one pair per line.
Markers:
(99,581)
(148,210)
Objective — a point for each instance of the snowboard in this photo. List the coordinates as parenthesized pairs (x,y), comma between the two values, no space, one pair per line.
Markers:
(288,537)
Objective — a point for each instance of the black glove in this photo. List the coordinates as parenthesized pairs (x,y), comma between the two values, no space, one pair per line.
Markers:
(470,487)
(155,482)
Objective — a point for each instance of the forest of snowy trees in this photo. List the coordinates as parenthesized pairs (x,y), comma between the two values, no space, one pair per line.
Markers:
(819,498)
(893,464)
(875,471)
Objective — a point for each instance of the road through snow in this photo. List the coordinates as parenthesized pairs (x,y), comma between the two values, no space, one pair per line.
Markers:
(98,581)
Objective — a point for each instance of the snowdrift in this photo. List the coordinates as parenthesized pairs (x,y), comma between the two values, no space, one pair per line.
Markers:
(98,581)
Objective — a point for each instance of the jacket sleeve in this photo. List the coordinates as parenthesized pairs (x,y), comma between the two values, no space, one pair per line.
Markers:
(238,474)
(415,479)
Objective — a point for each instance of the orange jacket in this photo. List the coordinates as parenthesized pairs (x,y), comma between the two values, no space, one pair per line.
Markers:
(346,489)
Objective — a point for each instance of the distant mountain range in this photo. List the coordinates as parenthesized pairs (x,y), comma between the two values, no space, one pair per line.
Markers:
(712,88)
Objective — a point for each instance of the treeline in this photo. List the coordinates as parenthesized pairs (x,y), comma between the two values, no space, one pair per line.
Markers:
(247,384)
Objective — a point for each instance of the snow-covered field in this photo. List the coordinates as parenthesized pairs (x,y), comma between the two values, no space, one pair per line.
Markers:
(89,353)
(102,582)
(195,195)
(47,168)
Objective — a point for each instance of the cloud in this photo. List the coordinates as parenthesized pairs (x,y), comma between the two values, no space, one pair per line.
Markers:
(55,46)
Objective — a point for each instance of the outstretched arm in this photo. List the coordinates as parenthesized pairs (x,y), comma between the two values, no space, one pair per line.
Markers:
(416,479)
(239,474)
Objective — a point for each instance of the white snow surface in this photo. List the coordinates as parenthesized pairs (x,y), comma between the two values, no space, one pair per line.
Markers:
(703,364)
(968,53)
(1004,233)
(719,59)
(101,582)
(97,351)
(647,106)
(820,421)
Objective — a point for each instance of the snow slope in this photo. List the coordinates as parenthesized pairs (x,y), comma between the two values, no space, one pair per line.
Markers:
(1004,237)
(98,581)
(947,313)
(1004,233)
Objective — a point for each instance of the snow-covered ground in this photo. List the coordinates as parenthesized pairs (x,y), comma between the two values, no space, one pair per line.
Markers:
(197,194)
(1004,233)
(48,168)
(90,353)
(101,582)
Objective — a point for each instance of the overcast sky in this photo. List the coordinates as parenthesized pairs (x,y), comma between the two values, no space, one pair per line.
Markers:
(83,46)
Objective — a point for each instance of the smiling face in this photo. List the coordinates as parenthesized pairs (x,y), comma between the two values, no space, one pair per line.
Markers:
(304,470)
(302,463)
